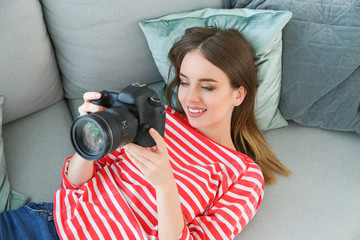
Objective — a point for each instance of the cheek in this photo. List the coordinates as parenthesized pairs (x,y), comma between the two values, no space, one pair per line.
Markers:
(221,102)
(181,95)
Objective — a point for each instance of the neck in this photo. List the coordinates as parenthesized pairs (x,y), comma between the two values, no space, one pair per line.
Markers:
(223,138)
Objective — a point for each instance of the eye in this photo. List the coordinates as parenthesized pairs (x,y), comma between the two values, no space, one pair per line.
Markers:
(208,88)
(182,83)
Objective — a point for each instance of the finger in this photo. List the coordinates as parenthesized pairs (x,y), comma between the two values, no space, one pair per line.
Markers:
(159,140)
(145,155)
(88,96)
(88,107)
(138,160)
(142,167)
(153,149)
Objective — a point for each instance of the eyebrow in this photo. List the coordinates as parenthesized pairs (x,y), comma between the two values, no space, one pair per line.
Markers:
(202,79)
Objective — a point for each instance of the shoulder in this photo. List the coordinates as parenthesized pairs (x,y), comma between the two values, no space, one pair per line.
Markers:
(172,112)
(175,118)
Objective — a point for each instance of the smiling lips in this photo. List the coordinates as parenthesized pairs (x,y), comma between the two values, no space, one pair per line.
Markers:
(196,112)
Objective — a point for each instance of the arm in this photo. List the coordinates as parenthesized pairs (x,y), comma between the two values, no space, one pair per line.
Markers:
(155,165)
(79,170)
(170,217)
(232,211)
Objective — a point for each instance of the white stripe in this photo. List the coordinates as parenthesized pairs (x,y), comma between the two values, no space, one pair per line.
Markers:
(145,189)
(58,216)
(194,234)
(218,228)
(233,156)
(67,203)
(197,229)
(114,201)
(90,217)
(68,212)
(239,206)
(112,157)
(194,185)
(246,199)
(205,228)
(141,214)
(228,211)
(255,170)
(200,168)
(254,180)
(82,224)
(96,208)
(191,195)
(63,184)
(138,175)
(248,189)
(129,201)
(187,206)
(195,149)
(106,207)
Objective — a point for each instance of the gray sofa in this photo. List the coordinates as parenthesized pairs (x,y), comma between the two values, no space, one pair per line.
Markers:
(51,52)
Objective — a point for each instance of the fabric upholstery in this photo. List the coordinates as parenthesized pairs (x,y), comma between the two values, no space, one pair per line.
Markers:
(321,61)
(99,42)
(28,69)
(319,200)
(36,147)
(9,199)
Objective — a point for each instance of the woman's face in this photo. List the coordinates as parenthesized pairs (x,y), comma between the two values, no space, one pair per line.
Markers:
(206,95)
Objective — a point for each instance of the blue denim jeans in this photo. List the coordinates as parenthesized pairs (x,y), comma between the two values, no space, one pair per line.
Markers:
(33,221)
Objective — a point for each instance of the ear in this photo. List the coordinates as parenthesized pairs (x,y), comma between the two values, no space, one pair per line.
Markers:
(240,96)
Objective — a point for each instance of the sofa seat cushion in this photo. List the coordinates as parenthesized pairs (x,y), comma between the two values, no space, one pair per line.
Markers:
(99,43)
(36,147)
(320,200)
(9,199)
(29,76)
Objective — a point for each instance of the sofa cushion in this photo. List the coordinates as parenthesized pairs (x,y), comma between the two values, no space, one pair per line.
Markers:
(260,27)
(29,76)
(321,61)
(99,42)
(36,147)
(9,199)
(320,199)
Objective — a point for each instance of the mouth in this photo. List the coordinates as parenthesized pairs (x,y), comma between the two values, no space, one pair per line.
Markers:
(196,110)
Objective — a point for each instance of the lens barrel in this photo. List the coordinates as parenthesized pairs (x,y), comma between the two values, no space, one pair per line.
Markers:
(96,134)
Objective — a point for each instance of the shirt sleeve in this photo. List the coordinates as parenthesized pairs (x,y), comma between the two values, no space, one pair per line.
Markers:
(231,212)
(98,164)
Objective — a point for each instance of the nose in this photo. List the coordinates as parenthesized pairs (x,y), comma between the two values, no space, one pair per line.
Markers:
(193,95)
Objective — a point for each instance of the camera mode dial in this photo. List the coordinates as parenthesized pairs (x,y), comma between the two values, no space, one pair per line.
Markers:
(155,101)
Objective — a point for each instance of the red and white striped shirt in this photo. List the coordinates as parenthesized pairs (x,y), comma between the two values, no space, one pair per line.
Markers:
(220,191)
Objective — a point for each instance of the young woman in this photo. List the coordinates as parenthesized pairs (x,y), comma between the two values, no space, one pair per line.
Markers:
(199,182)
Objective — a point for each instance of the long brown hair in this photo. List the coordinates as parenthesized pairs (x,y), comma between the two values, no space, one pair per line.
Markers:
(229,51)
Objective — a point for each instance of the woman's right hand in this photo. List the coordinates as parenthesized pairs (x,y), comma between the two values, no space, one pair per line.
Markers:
(79,169)
(87,106)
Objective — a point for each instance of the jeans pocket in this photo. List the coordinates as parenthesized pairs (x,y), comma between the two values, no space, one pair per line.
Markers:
(43,209)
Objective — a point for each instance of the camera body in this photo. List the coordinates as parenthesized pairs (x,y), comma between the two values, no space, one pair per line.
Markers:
(129,115)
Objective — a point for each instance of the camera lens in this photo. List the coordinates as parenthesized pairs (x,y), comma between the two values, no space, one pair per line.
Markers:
(96,134)
(90,136)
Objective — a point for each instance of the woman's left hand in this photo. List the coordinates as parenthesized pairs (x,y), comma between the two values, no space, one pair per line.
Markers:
(153,162)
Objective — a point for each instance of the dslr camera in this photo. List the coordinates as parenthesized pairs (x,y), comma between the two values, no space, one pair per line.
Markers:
(128,117)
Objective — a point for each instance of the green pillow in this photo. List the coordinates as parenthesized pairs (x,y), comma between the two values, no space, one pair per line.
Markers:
(8,199)
(262,28)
